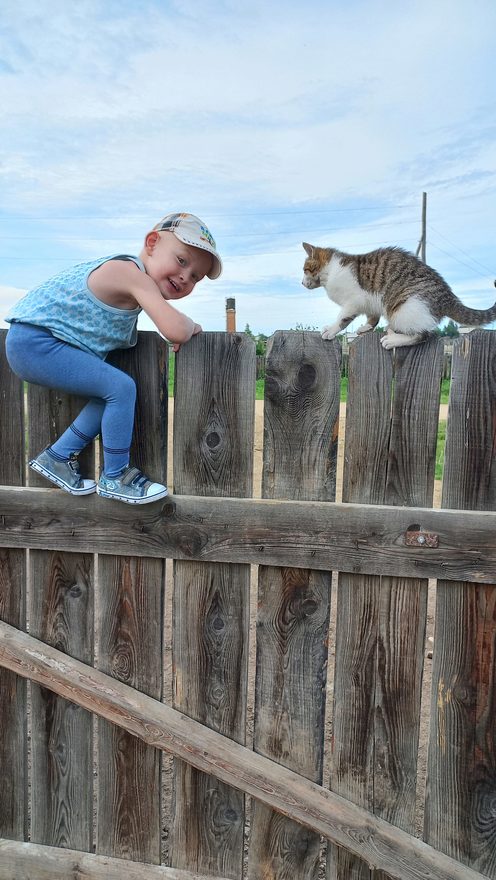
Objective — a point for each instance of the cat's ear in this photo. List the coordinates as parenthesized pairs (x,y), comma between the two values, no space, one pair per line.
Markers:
(308,247)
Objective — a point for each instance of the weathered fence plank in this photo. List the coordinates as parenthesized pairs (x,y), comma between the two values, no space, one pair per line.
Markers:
(461,783)
(31,861)
(402,856)
(347,537)
(381,620)
(129,632)
(213,455)
(301,418)
(60,612)
(13,790)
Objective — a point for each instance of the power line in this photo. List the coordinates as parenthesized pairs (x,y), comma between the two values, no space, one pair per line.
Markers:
(139,217)
(227,235)
(254,254)
(462,263)
(462,251)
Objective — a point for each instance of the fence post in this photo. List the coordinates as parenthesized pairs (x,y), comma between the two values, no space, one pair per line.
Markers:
(213,455)
(129,633)
(388,459)
(13,703)
(301,418)
(462,749)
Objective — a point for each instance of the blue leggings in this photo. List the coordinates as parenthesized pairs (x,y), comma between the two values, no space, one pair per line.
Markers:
(38,357)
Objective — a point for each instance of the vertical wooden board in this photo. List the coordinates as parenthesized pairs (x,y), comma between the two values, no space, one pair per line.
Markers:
(301,417)
(148,364)
(301,421)
(211,620)
(130,602)
(381,621)
(403,601)
(213,455)
(11,422)
(50,412)
(214,413)
(13,760)
(130,650)
(62,735)
(461,778)
(414,424)
(61,614)
(368,421)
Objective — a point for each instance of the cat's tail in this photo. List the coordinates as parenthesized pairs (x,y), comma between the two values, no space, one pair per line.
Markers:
(464,315)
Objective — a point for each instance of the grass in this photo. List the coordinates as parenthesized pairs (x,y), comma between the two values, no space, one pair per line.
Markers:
(441,441)
(445,385)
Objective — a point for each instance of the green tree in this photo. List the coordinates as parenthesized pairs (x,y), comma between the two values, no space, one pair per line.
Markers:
(449,329)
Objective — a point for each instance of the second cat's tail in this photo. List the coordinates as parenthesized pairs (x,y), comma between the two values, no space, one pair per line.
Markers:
(464,315)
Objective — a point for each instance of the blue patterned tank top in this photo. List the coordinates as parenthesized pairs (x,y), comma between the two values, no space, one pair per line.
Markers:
(66,306)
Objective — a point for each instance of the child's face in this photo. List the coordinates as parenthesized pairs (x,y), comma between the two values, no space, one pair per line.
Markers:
(174,266)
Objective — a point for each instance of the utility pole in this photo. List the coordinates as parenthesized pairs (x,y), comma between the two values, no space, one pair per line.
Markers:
(421,245)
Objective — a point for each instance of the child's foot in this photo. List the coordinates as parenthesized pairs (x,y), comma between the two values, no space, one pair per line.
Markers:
(63,473)
(131,486)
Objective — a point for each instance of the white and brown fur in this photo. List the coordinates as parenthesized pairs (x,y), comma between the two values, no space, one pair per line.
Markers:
(388,282)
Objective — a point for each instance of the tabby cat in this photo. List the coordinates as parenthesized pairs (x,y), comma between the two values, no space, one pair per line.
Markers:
(390,282)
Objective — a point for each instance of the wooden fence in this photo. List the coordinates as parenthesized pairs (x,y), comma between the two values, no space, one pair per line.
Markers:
(446,371)
(246,659)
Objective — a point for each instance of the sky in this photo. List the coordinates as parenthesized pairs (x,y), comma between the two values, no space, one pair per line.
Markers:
(276,123)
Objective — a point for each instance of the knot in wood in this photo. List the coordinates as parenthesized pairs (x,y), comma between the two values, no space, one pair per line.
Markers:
(212,439)
(306,376)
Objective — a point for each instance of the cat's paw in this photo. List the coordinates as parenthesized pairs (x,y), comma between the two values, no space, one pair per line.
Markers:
(365,328)
(328,332)
(387,342)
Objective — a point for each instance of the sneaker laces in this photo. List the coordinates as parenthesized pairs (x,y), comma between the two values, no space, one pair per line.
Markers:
(139,480)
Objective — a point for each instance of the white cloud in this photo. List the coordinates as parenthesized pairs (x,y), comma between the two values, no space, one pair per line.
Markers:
(126,111)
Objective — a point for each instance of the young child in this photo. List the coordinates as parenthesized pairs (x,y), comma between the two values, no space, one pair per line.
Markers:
(62,331)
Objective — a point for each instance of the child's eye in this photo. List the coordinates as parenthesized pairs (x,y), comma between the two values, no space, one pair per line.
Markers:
(181,261)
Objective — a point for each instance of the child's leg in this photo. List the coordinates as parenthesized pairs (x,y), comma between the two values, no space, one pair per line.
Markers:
(112,416)
(38,357)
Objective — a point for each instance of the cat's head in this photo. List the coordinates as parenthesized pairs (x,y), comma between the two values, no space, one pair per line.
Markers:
(315,262)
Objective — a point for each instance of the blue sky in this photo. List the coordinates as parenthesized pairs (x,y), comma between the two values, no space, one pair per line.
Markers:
(276,123)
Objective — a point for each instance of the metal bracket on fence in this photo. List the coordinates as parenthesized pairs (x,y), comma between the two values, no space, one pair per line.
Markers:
(416,537)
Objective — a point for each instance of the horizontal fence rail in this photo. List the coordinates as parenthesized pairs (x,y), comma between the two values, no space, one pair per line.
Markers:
(24,861)
(409,541)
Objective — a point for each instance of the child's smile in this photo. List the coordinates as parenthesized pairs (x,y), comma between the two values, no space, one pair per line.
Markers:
(174,266)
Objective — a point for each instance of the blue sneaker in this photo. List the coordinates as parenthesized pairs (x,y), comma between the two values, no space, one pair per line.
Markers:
(64,474)
(131,486)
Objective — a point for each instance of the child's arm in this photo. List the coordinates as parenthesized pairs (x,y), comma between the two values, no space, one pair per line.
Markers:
(120,283)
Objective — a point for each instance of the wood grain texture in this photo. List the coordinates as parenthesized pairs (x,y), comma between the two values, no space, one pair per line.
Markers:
(60,612)
(381,620)
(130,649)
(400,855)
(213,455)
(13,734)
(370,539)
(129,634)
(31,861)
(301,419)
(461,782)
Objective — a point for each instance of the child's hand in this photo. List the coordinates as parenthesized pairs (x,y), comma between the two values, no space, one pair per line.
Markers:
(177,345)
